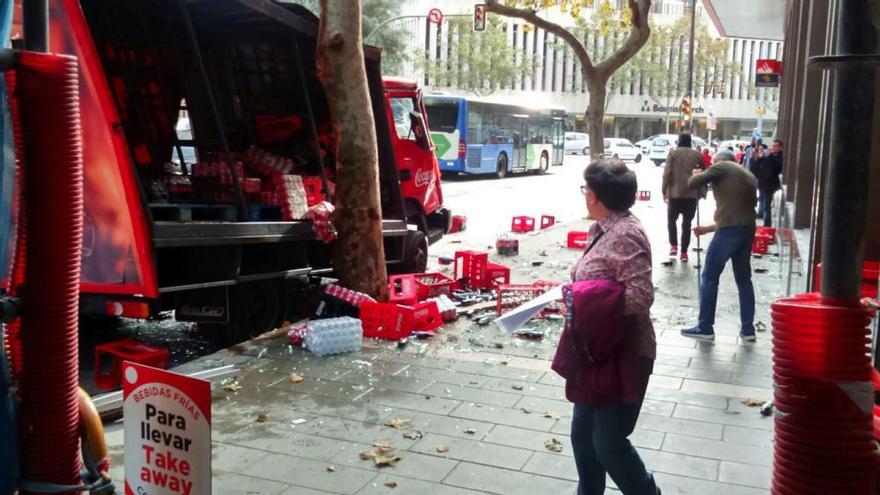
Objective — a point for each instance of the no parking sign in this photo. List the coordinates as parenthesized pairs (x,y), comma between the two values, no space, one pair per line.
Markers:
(167,424)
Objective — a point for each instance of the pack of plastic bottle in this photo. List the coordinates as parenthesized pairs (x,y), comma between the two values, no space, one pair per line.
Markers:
(334,336)
(448,309)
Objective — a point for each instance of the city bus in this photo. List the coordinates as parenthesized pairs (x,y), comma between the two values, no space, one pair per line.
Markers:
(481,136)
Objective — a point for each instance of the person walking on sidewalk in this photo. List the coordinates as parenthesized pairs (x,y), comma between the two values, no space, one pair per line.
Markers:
(680,199)
(766,169)
(619,252)
(734,189)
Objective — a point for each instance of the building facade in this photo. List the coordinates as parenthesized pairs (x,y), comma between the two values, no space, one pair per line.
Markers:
(730,100)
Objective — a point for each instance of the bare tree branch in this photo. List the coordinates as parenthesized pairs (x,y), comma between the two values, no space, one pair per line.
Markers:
(638,36)
(531,16)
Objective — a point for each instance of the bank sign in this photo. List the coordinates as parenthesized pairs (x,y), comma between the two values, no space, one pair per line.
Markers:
(648,107)
(167,424)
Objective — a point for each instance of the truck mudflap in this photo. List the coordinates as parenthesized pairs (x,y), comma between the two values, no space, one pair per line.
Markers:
(439,224)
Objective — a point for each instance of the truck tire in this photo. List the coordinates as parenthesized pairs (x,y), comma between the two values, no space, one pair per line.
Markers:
(415,253)
(501,166)
(254,309)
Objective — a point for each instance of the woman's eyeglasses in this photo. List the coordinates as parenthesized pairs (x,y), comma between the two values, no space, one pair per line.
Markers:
(584,190)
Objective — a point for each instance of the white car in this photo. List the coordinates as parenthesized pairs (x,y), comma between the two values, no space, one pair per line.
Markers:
(664,143)
(623,149)
(645,144)
(577,142)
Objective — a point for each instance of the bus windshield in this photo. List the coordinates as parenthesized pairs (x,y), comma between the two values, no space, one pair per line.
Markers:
(442,115)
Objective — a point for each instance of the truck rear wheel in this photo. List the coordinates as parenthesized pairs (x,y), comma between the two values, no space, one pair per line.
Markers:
(415,253)
(254,309)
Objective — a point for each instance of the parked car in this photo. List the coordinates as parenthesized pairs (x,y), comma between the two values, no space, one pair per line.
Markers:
(623,149)
(645,144)
(577,142)
(733,143)
(664,143)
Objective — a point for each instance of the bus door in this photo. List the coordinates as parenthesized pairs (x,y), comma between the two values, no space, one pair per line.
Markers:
(520,139)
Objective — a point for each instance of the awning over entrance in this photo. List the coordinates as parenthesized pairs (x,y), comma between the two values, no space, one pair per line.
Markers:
(760,19)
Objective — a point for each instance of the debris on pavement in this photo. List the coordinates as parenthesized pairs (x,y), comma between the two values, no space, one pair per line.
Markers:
(471,431)
(298,421)
(382,454)
(760,326)
(553,445)
(331,469)
(294,378)
(442,448)
(552,415)
(499,345)
(391,484)
(767,409)
(232,386)
(398,423)
(761,270)
(754,402)
(262,418)
(516,386)
(412,435)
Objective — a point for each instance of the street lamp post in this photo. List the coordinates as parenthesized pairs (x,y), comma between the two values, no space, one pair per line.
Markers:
(688,125)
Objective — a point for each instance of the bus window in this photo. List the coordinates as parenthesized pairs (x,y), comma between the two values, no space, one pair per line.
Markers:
(442,116)
(400,110)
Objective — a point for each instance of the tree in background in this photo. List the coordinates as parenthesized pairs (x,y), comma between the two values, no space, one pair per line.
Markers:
(358,254)
(479,62)
(391,38)
(596,75)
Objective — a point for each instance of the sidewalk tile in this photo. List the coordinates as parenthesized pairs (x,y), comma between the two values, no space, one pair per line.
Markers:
(748,475)
(681,426)
(712,364)
(660,381)
(724,389)
(679,397)
(658,407)
(704,349)
(504,416)
(397,383)
(448,425)
(559,407)
(310,474)
(748,436)
(680,485)
(753,380)
(473,451)
(506,482)
(300,490)
(282,440)
(530,389)
(648,439)
(232,458)
(443,376)
(695,373)
(551,465)
(750,418)
(479,396)
(716,449)
(526,439)
(410,486)
(223,483)
(684,465)
(415,402)
(499,371)
(411,464)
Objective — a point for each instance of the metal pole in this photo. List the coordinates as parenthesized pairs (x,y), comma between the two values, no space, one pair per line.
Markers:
(36,25)
(690,87)
(313,127)
(846,185)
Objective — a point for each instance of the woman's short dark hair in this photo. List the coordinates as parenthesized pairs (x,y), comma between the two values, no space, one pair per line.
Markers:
(613,183)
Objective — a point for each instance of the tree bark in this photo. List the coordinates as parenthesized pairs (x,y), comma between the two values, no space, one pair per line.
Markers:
(358,254)
(596,76)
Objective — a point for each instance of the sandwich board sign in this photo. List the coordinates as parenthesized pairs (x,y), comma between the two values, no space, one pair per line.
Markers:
(167,426)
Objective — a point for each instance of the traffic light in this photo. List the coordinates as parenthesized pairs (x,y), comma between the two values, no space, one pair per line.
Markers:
(686,109)
(480,17)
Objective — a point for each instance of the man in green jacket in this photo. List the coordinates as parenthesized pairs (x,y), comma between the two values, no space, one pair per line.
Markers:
(734,189)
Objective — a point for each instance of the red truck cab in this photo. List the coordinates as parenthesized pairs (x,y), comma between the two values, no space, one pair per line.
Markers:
(416,161)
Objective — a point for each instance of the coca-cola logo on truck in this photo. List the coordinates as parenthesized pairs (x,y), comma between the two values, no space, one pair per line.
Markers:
(423,178)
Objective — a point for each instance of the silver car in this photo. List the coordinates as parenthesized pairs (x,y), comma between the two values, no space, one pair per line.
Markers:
(577,142)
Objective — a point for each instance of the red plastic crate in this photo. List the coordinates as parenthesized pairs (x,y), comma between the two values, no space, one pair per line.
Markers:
(577,239)
(114,353)
(433,285)
(870,273)
(471,266)
(402,289)
(547,221)
(512,296)
(760,245)
(522,224)
(426,316)
(275,129)
(386,320)
(497,275)
(644,196)
(459,224)
(767,232)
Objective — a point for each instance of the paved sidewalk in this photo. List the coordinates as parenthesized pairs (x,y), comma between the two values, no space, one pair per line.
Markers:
(493,401)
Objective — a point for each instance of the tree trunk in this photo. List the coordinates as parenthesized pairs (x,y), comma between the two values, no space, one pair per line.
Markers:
(596,117)
(358,254)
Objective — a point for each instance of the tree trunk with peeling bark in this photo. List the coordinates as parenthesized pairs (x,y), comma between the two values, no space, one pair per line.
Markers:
(595,75)
(358,254)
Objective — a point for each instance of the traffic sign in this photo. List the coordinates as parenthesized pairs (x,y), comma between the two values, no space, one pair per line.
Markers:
(435,16)
(480,17)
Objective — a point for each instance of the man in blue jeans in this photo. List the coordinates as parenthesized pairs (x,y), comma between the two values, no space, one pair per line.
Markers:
(734,189)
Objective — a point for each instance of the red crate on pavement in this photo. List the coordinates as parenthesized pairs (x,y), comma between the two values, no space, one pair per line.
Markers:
(577,239)
(459,224)
(760,245)
(767,232)
(496,275)
(432,285)
(402,289)
(512,296)
(114,353)
(522,224)
(386,320)
(547,221)
(471,265)
(644,196)
(426,316)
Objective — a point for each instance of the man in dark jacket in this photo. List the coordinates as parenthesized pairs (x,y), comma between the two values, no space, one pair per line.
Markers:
(767,169)
(681,200)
